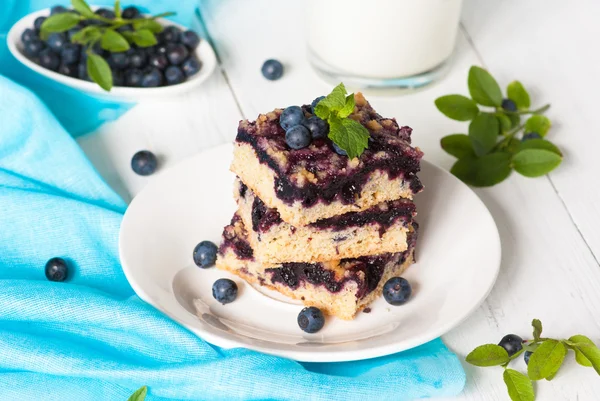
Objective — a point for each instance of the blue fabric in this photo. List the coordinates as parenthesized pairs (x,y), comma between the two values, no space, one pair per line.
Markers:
(79,113)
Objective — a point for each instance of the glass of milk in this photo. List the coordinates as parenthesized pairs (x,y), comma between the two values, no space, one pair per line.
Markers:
(382,43)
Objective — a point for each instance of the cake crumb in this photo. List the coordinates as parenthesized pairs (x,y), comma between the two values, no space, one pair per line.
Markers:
(367,310)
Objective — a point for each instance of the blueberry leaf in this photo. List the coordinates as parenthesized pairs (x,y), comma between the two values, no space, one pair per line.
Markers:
(484,171)
(513,146)
(519,387)
(99,71)
(348,106)
(457,107)
(538,123)
(540,144)
(535,162)
(458,145)
(114,42)
(118,8)
(517,93)
(139,394)
(586,352)
(87,35)
(60,22)
(505,123)
(483,87)
(483,132)
(537,328)
(488,355)
(546,360)
(515,120)
(143,38)
(83,8)
(148,24)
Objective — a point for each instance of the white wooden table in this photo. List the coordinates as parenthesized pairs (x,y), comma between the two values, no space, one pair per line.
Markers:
(550,240)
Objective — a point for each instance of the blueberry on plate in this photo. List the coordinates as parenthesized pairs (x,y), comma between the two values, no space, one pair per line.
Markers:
(58,10)
(133,78)
(397,291)
(49,59)
(161,49)
(158,61)
(37,24)
(190,39)
(298,137)
(56,41)
(224,290)
(509,105)
(205,254)
(118,60)
(315,102)
(118,78)
(512,343)
(137,58)
(69,70)
(72,32)
(191,66)
(34,47)
(70,53)
(290,117)
(339,150)
(177,53)
(125,28)
(272,69)
(105,13)
(318,128)
(531,135)
(152,78)
(82,71)
(174,75)
(170,34)
(311,319)
(144,162)
(130,12)
(28,35)
(56,269)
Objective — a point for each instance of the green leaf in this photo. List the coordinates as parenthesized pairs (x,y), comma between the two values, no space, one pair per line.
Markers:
(488,355)
(517,93)
(513,146)
(458,145)
(483,87)
(538,123)
(143,38)
(587,353)
(99,71)
(519,387)
(537,328)
(505,123)
(483,132)
(485,171)
(546,360)
(515,120)
(322,111)
(60,22)
(118,8)
(83,9)
(348,106)
(114,42)
(540,144)
(148,24)
(86,35)
(336,100)
(535,162)
(349,135)
(579,357)
(457,107)
(139,395)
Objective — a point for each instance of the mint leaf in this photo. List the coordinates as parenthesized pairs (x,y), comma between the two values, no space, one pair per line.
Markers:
(82,8)
(590,354)
(86,35)
(546,360)
(457,107)
(537,328)
(540,144)
(349,135)
(336,100)
(458,145)
(488,355)
(505,123)
(538,123)
(148,24)
(348,106)
(535,162)
(517,93)
(139,394)
(99,71)
(114,41)
(485,171)
(483,132)
(142,38)
(519,387)
(60,22)
(483,87)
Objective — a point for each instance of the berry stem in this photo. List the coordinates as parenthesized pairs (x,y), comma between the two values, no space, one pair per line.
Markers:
(541,110)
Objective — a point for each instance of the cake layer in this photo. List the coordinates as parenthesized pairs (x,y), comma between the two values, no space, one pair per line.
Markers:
(340,288)
(315,183)
(380,229)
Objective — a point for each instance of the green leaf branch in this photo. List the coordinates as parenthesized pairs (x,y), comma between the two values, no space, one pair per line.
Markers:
(139,394)
(497,142)
(546,358)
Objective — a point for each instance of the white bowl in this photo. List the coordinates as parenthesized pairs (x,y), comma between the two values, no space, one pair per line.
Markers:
(204,52)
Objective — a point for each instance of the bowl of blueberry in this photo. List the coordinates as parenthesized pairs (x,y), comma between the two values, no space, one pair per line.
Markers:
(118,53)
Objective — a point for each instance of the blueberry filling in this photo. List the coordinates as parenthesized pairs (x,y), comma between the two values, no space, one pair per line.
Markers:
(241,248)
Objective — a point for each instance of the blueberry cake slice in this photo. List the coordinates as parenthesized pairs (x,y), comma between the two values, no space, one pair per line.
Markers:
(314,183)
(339,288)
(382,228)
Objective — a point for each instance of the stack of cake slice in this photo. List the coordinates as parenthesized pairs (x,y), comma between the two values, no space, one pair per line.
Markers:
(317,226)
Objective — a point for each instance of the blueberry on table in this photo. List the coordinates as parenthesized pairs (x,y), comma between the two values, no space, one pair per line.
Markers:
(512,343)
(290,117)
(526,356)
(318,128)
(170,34)
(133,77)
(28,35)
(137,58)
(311,319)
(272,69)
(177,53)
(130,12)
(298,137)
(397,291)
(144,162)
(339,150)
(174,75)
(58,10)
(56,269)
(70,70)
(152,78)
(315,102)
(70,53)
(118,60)
(224,290)
(509,105)
(191,66)
(49,59)
(190,39)
(105,13)
(158,61)
(56,41)
(34,47)
(205,254)
(531,135)
(37,24)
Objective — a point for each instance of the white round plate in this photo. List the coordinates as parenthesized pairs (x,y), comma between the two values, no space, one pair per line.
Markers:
(204,52)
(458,258)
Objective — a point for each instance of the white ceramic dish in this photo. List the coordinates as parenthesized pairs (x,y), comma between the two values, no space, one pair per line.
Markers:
(204,52)
(458,257)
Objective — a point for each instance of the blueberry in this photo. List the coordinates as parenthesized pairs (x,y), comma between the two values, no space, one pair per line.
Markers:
(69,70)
(526,356)
(161,49)
(56,269)
(177,53)
(137,58)
(49,59)
(97,48)
(118,60)
(152,78)
(190,39)
(290,117)
(158,61)
(297,137)
(125,28)
(315,102)
(191,66)
(311,319)
(105,13)
(70,53)
(339,150)
(82,71)
(56,41)
(531,135)
(133,77)
(58,10)
(144,162)
(118,78)
(28,35)
(272,69)
(397,291)
(37,24)
(205,254)
(174,75)
(130,12)
(34,47)
(509,105)
(511,343)
(72,32)
(170,34)
(224,290)
(318,128)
